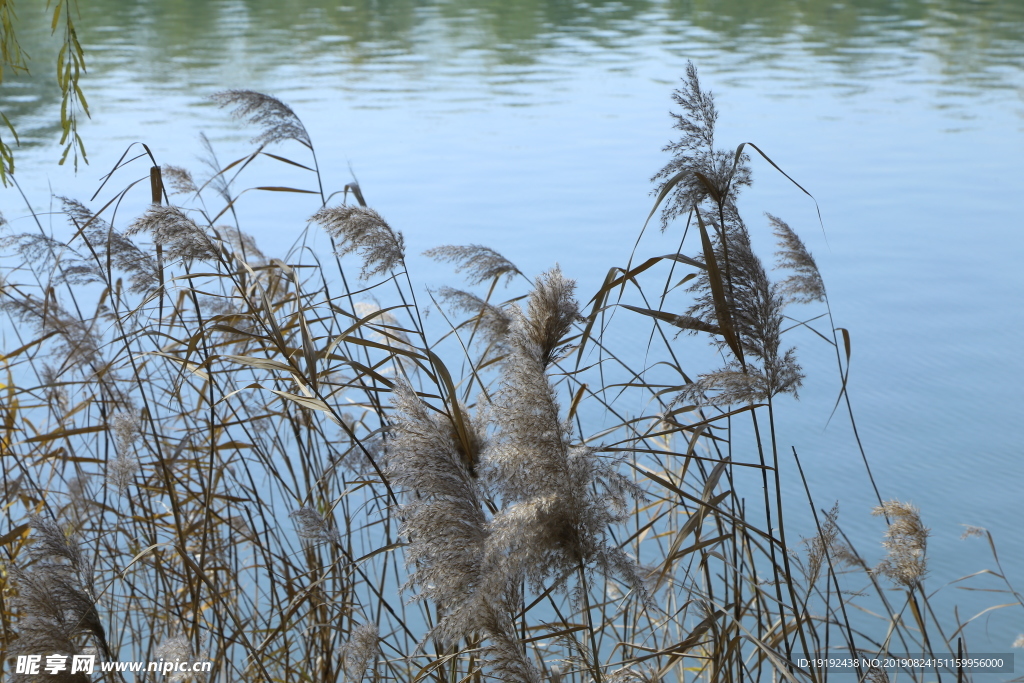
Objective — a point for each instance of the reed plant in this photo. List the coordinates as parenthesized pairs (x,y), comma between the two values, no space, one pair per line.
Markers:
(276,465)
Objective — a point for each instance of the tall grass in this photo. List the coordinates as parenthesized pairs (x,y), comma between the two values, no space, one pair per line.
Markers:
(275,464)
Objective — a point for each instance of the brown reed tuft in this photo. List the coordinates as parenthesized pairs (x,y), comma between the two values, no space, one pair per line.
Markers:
(480,263)
(78,340)
(551,311)
(560,498)
(276,118)
(442,514)
(822,545)
(707,172)
(493,322)
(906,540)
(444,518)
(180,179)
(312,526)
(360,650)
(805,284)
(364,230)
(55,599)
(756,309)
(180,236)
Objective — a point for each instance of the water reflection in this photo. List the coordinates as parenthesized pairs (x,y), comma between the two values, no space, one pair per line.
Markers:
(971,45)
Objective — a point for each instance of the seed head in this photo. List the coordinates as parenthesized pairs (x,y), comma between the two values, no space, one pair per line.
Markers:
(362,229)
(906,540)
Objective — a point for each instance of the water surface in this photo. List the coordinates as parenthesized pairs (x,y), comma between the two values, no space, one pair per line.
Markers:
(534,127)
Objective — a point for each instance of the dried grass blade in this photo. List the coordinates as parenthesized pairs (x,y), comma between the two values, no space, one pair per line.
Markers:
(14,533)
(277,188)
(138,557)
(718,291)
(287,161)
(684,322)
(739,153)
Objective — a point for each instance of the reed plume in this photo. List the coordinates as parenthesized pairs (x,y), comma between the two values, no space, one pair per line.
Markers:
(443,514)
(362,229)
(805,284)
(177,648)
(55,596)
(822,545)
(180,236)
(106,249)
(551,311)
(906,540)
(78,340)
(559,498)
(276,118)
(481,264)
(493,322)
(180,179)
(312,526)
(756,309)
(361,648)
(444,518)
(706,172)
(127,428)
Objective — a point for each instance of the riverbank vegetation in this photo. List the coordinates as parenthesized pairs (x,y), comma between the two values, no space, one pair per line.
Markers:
(282,465)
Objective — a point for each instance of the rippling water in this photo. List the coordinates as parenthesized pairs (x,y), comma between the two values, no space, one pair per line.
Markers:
(534,127)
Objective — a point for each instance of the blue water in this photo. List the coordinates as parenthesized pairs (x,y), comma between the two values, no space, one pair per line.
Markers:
(534,128)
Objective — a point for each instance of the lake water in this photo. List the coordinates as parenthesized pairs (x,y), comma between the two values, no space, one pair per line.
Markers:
(534,127)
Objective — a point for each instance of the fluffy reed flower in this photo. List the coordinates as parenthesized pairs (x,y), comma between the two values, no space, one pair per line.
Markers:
(480,263)
(551,311)
(311,525)
(444,519)
(180,236)
(709,172)
(906,539)
(362,229)
(805,284)
(107,249)
(177,648)
(1019,642)
(127,428)
(76,339)
(491,321)
(45,252)
(359,651)
(121,472)
(276,118)
(242,244)
(756,309)
(113,248)
(559,498)
(822,546)
(179,179)
(443,513)
(55,599)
